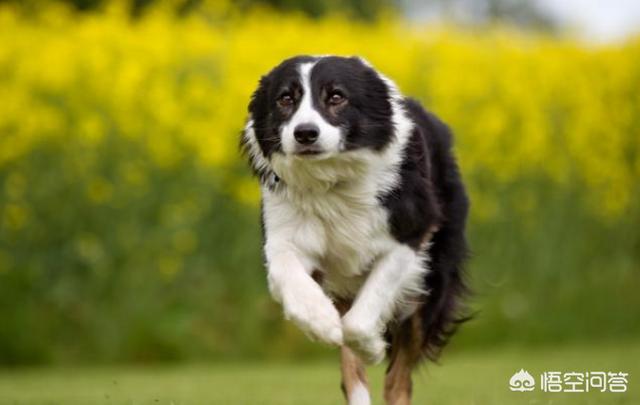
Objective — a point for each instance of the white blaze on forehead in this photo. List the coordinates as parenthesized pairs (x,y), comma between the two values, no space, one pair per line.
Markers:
(330,137)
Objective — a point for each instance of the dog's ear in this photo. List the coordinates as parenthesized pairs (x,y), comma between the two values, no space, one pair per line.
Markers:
(260,112)
(259,98)
(250,143)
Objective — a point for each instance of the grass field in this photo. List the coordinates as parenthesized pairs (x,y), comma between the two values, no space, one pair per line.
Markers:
(463,378)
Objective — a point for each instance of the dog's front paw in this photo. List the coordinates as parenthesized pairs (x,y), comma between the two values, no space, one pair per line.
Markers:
(363,338)
(315,314)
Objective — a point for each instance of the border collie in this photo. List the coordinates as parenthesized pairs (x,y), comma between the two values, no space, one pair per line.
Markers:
(363,212)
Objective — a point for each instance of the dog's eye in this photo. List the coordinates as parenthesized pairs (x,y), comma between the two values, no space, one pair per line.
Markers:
(336,98)
(285,100)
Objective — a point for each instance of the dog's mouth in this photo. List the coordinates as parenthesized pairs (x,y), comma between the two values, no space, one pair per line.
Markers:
(308,152)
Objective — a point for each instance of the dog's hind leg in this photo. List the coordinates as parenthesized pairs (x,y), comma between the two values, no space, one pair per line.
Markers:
(354,382)
(405,355)
(354,379)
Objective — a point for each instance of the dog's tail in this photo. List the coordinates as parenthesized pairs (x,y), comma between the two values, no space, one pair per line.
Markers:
(445,308)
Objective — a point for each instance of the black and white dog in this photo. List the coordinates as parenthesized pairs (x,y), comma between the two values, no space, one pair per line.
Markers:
(363,212)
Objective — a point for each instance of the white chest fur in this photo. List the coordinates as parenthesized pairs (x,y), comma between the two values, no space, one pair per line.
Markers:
(330,214)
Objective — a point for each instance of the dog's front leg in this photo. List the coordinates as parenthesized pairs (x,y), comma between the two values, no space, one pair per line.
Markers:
(302,299)
(394,280)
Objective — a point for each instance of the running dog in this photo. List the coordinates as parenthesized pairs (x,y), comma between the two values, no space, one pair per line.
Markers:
(363,212)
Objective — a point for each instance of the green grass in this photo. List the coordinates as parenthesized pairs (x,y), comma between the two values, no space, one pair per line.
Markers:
(463,378)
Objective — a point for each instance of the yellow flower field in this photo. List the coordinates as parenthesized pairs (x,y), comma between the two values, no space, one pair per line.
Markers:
(520,105)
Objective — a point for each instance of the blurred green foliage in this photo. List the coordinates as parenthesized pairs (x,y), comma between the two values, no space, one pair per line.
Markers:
(129,225)
(360,9)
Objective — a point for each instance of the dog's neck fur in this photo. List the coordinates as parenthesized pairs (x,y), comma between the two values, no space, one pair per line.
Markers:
(311,176)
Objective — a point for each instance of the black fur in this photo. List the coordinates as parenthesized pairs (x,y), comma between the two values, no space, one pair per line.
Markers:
(432,193)
(267,119)
(367,118)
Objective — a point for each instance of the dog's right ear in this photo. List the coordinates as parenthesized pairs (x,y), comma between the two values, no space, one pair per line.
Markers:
(259,99)
(250,142)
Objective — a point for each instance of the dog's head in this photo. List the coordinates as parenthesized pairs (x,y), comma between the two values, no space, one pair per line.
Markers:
(319,107)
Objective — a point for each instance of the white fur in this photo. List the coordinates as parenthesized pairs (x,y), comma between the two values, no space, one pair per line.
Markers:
(329,138)
(303,300)
(359,395)
(257,158)
(327,217)
(394,276)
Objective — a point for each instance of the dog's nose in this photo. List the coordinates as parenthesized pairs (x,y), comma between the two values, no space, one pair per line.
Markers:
(306,134)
